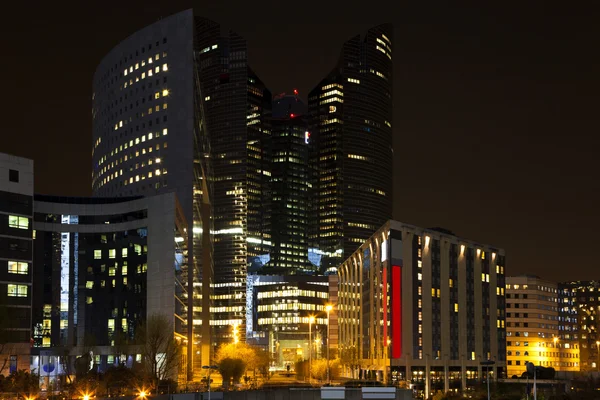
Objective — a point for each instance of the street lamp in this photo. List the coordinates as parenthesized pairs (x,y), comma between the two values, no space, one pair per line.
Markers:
(311,319)
(598,351)
(328,308)
(209,368)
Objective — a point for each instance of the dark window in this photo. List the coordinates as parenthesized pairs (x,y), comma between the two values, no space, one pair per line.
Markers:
(13,175)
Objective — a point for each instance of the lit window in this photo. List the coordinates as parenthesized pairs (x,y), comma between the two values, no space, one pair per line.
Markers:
(157,172)
(15,267)
(157,70)
(18,222)
(89,285)
(165,67)
(165,92)
(124,252)
(17,290)
(112,253)
(97,254)
(165,132)
(455,307)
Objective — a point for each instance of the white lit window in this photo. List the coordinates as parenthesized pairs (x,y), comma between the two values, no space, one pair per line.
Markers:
(97,254)
(124,252)
(15,221)
(17,290)
(112,253)
(165,92)
(164,67)
(15,267)
(165,132)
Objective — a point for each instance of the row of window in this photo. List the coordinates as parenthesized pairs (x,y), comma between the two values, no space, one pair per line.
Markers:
(17,290)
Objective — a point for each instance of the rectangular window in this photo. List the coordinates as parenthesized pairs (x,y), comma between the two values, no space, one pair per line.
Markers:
(15,267)
(124,270)
(124,252)
(17,290)
(97,254)
(112,253)
(15,221)
(13,175)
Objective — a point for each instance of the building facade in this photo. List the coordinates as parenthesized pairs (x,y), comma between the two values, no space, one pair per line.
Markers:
(149,137)
(16,270)
(350,114)
(102,267)
(417,303)
(579,304)
(533,327)
(290,311)
(291,187)
(237,108)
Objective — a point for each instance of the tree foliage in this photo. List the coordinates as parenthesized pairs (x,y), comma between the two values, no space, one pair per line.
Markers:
(161,353)
(319,369)
(20,382)
(249,358)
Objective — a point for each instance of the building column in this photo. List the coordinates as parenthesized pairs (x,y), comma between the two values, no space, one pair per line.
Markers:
(463,375)
(446,382)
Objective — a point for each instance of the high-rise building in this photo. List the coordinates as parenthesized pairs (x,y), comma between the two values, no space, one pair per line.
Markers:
(424,306)
(351,145)
(149,137)
(579,310)
(532,327)
(237,107)
(291,186)
(102,267)
(16,230)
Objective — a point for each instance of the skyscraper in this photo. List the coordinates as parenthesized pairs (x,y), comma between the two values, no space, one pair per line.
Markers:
(149,134)
(237,108)
(351,145)
(291,186)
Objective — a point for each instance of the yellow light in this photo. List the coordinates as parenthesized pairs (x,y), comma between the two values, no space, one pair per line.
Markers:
(165,92)
(311,319)
(142,394)
(86,397)
(328,307)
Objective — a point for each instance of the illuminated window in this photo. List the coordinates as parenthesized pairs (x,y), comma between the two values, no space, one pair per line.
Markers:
(15,267)
(455,307)
(112,271)
(112,253)
(17,290)
(165,132)
(15,221)
(89,284)
(124,270)
(165,67)
(165,92)
(97,254)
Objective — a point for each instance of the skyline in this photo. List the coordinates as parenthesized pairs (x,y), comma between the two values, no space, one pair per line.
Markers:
(450,86)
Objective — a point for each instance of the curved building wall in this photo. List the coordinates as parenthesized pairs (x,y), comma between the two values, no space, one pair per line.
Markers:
(143,114)
(351,144)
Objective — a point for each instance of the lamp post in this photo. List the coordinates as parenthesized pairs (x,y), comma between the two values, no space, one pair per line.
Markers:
(311,319)
(598,351)
(209,368)
(386,356)
(328,308)
(487,378)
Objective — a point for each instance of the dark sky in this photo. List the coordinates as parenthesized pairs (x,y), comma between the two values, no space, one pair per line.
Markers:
(496,107)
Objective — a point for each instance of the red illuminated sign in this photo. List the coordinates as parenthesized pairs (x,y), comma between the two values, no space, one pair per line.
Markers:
(396,311)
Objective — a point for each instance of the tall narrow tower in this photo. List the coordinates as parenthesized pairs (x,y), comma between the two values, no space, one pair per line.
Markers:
(351,145)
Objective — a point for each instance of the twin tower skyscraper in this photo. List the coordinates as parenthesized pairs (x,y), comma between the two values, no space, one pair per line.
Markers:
(271,185)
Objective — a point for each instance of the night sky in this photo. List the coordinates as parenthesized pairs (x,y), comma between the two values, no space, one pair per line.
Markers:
(496,109)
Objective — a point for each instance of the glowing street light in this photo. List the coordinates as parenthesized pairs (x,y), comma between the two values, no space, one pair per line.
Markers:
(311,319)
(328,308)
(142,394)
(236,334)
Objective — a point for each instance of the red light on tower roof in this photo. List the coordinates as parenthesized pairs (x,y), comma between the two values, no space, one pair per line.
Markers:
(296,92)
(292,115)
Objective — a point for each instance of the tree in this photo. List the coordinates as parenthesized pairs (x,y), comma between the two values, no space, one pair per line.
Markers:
(161,352)
(351,360)
(231,369)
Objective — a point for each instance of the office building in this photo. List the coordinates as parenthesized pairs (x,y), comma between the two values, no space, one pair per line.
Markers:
(423,305)
(237,108)
(149,137)
(16,230)
(533,327)
(289,310)
(291,187)
(350,113)
(102,267)
(579,303)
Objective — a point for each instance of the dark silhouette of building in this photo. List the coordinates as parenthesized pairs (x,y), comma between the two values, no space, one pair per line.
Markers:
(291,187)
(237,107)
(351,146)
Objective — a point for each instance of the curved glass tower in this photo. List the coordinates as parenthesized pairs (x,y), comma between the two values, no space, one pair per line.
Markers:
(351,146)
